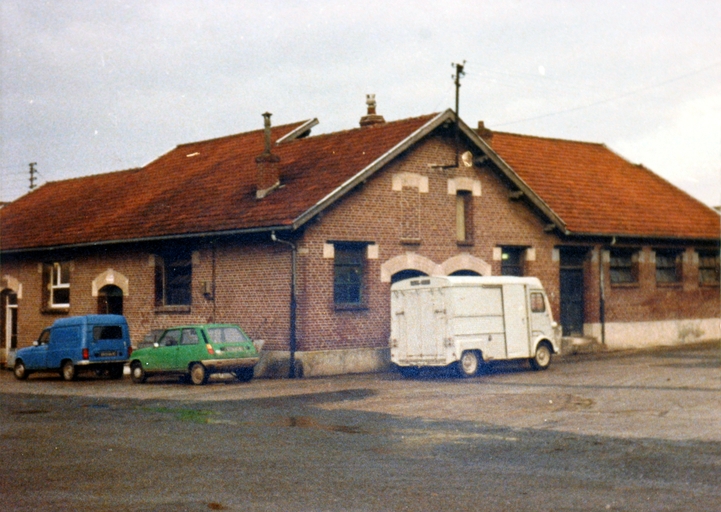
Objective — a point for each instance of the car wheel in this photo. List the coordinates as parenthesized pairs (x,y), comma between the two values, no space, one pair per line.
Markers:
(19,370)
(137,373)
(409,372)
(198,374)
(542,359)
(468,365)
(244,374)
(68,371)
(116,371)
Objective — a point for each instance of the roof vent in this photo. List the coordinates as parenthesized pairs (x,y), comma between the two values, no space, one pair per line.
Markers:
(268,164)
(371,118)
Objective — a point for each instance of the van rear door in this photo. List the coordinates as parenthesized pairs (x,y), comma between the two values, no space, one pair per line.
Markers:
(421,322)
(516,319)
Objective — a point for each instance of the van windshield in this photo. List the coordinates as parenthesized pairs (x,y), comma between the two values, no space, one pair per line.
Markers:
(226,335)
(107,332)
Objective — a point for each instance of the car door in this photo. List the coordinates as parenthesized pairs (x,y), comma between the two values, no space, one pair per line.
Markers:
(163,354)
(35,357)
(189,349)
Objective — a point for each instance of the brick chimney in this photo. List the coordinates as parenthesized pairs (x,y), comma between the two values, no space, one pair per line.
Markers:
(268,165)
(371,118)
(484,132)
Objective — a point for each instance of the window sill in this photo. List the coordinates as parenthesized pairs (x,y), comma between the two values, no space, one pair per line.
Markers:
(669,285)
(625,285)
(55,311)
(411,241)
(181,310)
(709,285)
(465,243)
(351,307)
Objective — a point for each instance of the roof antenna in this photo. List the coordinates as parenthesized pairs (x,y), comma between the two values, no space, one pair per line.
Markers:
(459,74)
(457,81)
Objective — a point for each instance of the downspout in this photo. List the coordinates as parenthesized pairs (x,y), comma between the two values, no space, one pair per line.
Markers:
(293,301)
(602,298)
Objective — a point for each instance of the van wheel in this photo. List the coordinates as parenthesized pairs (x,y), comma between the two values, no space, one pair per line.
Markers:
(198,374)
(20,372)
(468,365)
(137,373)
(68,371)
(542,359)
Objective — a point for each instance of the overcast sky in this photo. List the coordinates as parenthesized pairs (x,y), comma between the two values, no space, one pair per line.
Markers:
(92,86)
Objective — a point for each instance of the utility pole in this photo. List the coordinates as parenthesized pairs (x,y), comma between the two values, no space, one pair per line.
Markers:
(457,80)
(33,172)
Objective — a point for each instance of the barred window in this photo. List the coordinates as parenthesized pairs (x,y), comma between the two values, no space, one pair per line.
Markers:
(624,266)
(708,267)
(668,266)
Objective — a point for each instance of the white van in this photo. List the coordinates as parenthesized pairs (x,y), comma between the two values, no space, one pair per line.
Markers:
(443,320)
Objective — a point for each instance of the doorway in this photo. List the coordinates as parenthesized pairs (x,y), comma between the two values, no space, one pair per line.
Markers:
(572,290)
(110,300)
(8,325)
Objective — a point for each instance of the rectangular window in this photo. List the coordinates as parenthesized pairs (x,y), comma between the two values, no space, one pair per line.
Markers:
(107,332)
(708,267)
(624,266)
(56,277)
(538,305)
(173,278)
(348,274)
(512,261)
(464,216)
(668,266)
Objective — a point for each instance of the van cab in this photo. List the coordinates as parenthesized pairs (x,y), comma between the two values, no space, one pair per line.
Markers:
(464,321)
(98,343)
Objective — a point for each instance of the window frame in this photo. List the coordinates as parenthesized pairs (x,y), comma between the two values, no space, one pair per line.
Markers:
(708,261)
(464,216)
(173,281)
(56,281)
(623,262)
(340,271)
(519,266)
(671,272)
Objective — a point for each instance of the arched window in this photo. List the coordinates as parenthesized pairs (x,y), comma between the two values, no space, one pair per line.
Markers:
(465,273)
(110,300)
(406,274)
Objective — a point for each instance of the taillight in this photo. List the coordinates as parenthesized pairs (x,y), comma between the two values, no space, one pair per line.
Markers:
(130,351)
(86,354)
(210,349)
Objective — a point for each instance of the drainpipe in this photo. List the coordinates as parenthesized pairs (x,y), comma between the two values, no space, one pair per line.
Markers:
(602,298)
(293,301)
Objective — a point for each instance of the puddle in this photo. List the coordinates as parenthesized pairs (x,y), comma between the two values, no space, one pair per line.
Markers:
(307,422)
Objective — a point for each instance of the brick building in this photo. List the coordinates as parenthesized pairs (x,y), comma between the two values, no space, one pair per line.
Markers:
(297,238)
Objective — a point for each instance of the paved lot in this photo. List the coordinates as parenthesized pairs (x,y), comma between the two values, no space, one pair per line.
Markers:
(633,431)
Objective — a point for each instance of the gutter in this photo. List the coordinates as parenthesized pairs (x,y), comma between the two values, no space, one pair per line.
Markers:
(229,232)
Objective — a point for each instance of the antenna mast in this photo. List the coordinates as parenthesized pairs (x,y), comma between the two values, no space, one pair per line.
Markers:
(457,79)
(33,172)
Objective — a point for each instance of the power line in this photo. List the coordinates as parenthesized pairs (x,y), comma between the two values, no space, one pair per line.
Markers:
(613,98)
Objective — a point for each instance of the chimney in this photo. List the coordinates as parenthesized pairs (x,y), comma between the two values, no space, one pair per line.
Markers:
(371,118)
(484,132)
(267,164)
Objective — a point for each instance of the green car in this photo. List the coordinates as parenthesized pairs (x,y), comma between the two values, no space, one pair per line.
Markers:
(196,351)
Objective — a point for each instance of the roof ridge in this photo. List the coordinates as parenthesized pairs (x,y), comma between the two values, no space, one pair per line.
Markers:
(223,137)
(557,139)
(373,127)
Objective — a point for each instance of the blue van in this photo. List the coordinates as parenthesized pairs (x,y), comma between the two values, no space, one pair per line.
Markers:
(98,343)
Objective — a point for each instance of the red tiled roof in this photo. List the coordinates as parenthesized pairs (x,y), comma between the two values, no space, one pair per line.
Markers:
(595,191)
(212,191)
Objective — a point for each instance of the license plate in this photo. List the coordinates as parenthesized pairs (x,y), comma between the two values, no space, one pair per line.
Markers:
(108,353)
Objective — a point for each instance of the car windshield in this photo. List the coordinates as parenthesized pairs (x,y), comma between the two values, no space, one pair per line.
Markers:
(226,335)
